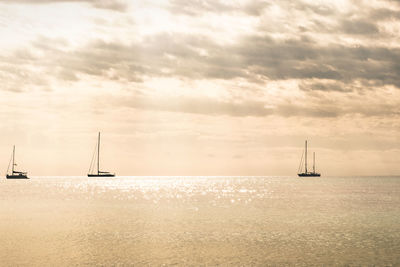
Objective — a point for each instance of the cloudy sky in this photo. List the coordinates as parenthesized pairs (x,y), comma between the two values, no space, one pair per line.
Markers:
(200,87)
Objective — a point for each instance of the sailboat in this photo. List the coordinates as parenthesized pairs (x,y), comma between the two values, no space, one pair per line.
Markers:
(306,173)
(98,173)
(15,174)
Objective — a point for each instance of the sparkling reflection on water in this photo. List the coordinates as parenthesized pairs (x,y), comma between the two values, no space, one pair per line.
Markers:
(200,221)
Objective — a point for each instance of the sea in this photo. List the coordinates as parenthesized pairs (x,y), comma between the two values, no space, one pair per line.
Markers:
(200,221)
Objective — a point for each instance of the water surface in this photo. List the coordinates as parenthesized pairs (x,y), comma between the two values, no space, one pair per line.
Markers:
(200,221)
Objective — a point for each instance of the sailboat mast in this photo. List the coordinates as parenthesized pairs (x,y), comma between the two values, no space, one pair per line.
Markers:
(313,162)
(13,159)
(98,155)
(306,158)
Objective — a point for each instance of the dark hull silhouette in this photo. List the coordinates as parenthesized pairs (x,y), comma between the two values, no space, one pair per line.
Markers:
(310,174)
(19,176)
(102,175)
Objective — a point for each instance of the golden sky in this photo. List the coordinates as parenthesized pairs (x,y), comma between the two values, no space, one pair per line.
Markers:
(202,87)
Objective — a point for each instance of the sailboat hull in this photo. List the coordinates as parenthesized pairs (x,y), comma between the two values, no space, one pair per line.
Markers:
(310,174)
(102,175)
(20,176)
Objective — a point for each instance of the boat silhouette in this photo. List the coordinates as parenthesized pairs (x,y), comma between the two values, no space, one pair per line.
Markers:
(15,174)
(306,173)
(98,173)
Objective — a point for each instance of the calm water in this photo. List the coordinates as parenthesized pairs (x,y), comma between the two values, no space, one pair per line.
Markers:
(200,221)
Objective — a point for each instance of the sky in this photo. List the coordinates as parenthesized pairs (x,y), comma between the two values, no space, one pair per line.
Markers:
(201,87)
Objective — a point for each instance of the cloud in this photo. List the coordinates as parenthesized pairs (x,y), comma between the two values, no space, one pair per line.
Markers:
(359,27)
(384,14)
(18,74)
(246,108)
(116,5)
(201,7)
(320,110)
(258,56)
(253,58)
(326,86)
(196,105)
(257,59)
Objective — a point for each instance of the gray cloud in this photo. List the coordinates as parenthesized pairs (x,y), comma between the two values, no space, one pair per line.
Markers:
(325,87)
(246,108)
(297,59)
(254,58)
(321,111)
(336,110)
(359,27)
(384,14)
(327,19)
(117,5)
(258,58)
(17,73)
(200,7)
(251,58)
(199,105)
(323,10)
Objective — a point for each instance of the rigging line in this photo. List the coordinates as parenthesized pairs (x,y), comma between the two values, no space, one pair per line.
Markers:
(93,158)
(9,164)
(301,163)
